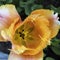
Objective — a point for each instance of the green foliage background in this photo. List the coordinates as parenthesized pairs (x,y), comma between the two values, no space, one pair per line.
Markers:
(25,7)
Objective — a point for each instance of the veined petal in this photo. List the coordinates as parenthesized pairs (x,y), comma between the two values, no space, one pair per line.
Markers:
(8,15)
(53,19)
(7,33)
(44,12)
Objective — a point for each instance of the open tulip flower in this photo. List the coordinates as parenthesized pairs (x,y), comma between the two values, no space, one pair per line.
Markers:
(31,36)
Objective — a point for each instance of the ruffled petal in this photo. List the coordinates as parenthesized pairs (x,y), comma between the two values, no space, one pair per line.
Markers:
(8,15)
(53,19)
(54,25)
(22,57)
(8,33)
(44,12)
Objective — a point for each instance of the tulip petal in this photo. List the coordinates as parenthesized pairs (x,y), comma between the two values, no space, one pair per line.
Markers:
(44,12)
(8,15)
(54,25)
(53,19)
(7,33)
(22,57)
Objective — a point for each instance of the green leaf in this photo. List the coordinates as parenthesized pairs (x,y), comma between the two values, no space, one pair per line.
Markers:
(1,3)
(55,46)
(2,0)
(30,1)
(35,6)
(56,50)
(49,58)
(27,9)
(19,9)
(22,4)
(58,10)
(55,9)
(9,1)
(55,42)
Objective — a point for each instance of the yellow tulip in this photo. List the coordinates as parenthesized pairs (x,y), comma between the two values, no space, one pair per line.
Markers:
(35,32)
(31,36)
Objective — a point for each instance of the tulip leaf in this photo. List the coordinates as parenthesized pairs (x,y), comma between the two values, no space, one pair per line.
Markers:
(9,1)
(55,46)
(30,1)
(22,4)
(50,58)
(27,9)
(55,42)
(56,50)
(2,0)
(55,9)
(1,3)
(35,6)
(19,9)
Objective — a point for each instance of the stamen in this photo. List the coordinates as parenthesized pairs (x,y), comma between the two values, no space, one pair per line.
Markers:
(22,35)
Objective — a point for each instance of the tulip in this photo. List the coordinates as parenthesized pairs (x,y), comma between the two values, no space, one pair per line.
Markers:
(31,36)
(35,32)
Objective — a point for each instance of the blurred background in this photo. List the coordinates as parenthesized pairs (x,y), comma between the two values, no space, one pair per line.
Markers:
(24,8)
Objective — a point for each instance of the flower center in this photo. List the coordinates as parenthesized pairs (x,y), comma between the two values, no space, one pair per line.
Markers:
(23,33)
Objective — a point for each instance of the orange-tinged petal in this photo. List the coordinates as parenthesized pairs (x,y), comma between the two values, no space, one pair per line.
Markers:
(53,19)
(8,14)
(24,57)
(54,25)
(44,12)
(8,33)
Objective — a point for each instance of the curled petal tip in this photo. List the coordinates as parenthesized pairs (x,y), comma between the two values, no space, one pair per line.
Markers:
(8,14)
(56,15)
